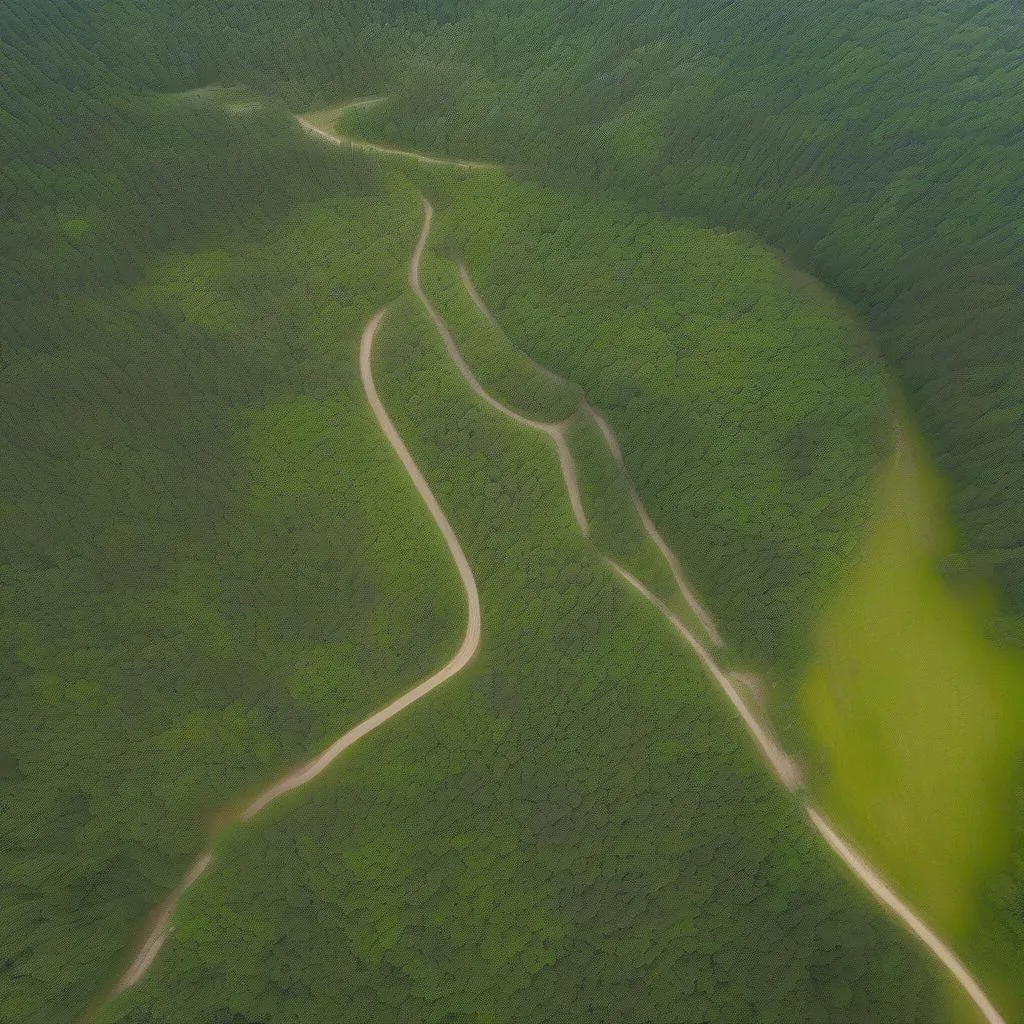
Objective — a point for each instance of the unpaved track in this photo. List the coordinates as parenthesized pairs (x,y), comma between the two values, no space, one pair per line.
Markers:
(471,639)
(685,591)
(555,431)
(376,147)
(871,880)
(478,301)
(782,765)
(161,926)
(789,774)
(778,760)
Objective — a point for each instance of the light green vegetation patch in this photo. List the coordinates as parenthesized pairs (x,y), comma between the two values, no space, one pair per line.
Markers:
(577,825)
(213,567)
(915,715)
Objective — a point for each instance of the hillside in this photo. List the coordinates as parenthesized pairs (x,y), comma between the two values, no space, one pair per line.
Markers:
(694,278)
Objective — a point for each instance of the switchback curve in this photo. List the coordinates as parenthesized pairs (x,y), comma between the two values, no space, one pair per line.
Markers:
(379,148)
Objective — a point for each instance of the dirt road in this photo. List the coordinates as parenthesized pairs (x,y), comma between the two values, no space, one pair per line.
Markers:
(874,884)
(161,926)
(376,147)
(782,765)
(555,431)
(685,591)
(780,762)
(471,639)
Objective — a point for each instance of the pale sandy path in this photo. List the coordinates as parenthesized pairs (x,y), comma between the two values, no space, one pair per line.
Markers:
(789,774)
(376,147)
(784,767)
(471,639)
(161,927)
(685,590)
(873,882)
(478,301)
(555,431)
(778,760)
(782,764)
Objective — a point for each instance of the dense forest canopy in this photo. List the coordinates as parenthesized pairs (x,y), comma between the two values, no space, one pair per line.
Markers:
(533,846)
(185,446)
(879,143)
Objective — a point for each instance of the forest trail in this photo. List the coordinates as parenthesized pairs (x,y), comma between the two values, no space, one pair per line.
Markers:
(376,147)
(161,925)
(471,639)
(787,770)
(874,884)
(782,764)
(555,431)
(685,591)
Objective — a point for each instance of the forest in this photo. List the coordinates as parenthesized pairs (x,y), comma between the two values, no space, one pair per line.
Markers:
(534,841)
(210,566)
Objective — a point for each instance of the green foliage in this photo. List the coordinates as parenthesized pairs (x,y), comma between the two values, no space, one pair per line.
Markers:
(189,466)
(503,370)
(877,142)
(748,406)
(1000,934)
(526,388)
(576,812)
(211,568)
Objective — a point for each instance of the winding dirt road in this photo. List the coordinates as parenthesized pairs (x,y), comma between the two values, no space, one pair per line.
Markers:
(778,760)
(376,147)
(781,764)
(471,639)
(555,431)
(161,925)
(874,884)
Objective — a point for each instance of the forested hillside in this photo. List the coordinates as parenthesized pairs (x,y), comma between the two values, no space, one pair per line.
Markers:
(532,844)
(878,143)
(210,565)
(194,508)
